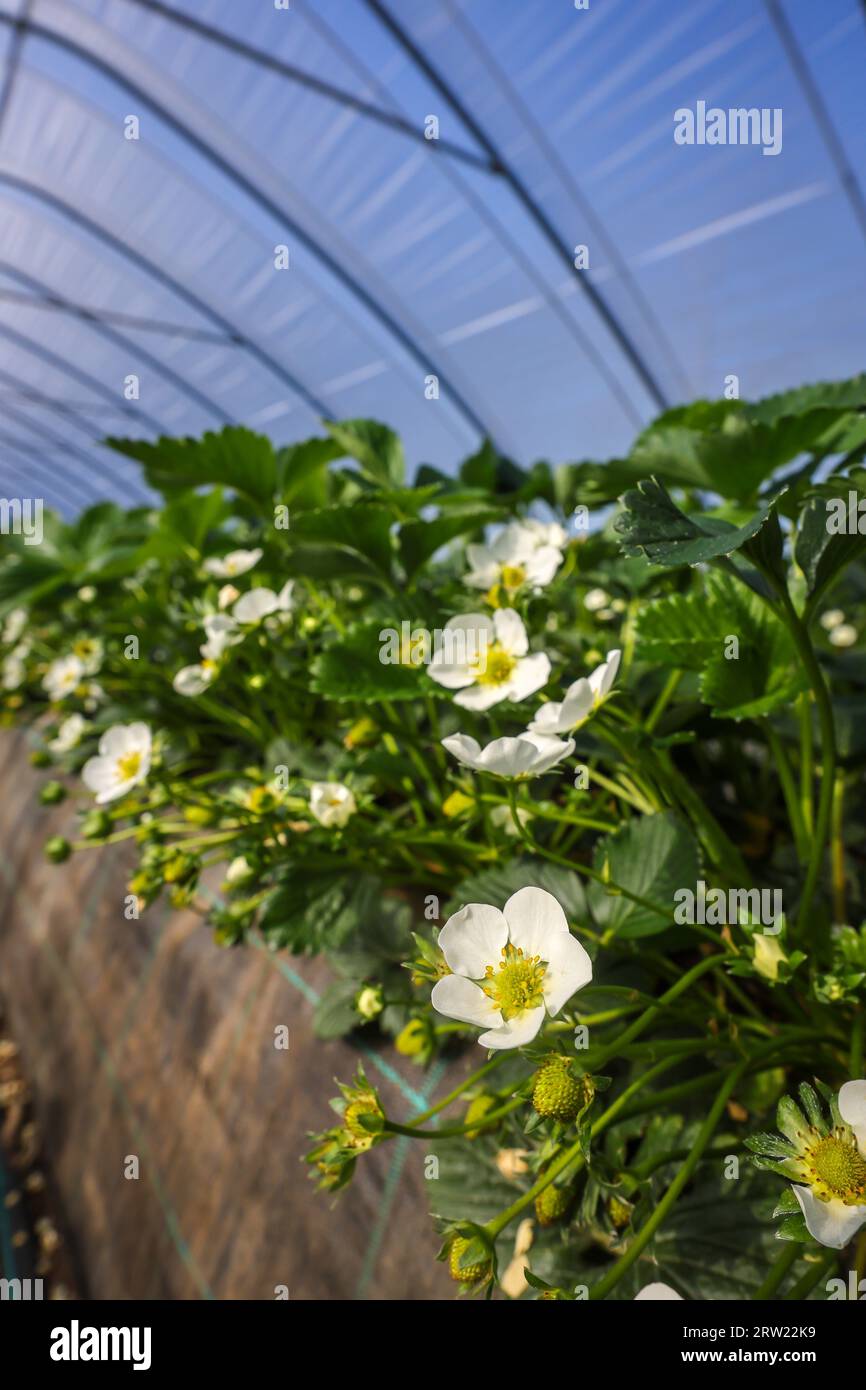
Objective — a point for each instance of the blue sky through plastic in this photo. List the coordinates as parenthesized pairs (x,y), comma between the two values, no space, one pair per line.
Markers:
(157,254)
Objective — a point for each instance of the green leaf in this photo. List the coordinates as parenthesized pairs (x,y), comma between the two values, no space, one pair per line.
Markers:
(652,857)
(766,674)
(496,885)
(364,529)
(836,396)
(335,1014)
(418,540)
(314,911)
(376,449)
(653,525)
(793,1228)
(302,471)
(236,458)
(351,669)
(821,554)
(681,630)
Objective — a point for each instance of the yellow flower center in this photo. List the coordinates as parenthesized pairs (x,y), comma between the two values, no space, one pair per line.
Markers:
(518,984)
(837,1169)
(495,667)
(512,576)
(128,766)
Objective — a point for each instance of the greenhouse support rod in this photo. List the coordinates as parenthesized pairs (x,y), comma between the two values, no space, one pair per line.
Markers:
(467,190)
(268,204)
(137,357)
(92,463)
(156,272)
(818,107)
(569,183)
(35,461)
(316,84)
(13,61)
(62,364)
(50,300)
(521,192)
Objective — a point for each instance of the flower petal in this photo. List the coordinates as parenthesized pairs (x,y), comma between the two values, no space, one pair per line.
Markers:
(480,697)
(852,1108)
(534,919)
(530,674)
(548,719)
(510,632)
(657,1291)
(516,1032)
(473,939)
(464,748)
(457,997)
(569,968)
(831,1223)
(578,702)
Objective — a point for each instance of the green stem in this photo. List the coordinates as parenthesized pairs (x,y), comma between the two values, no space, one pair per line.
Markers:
(781,1265)
(837,849)
(807,771)
(573,1154)
(806,652)
(459,1090)
(813,1275)
(453,1131)
(645,1235)
(855,1065)
(789,791)
(661,703)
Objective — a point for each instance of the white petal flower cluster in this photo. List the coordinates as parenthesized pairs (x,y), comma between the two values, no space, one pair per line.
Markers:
(123,761)
(231,565)
(332,803)
(510,969)
(487,660)
(524,553)
(223,631)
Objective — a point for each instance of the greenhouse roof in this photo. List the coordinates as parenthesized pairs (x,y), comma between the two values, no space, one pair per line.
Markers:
(156,157)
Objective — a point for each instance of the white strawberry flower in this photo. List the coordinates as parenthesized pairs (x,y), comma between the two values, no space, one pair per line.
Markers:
(123,762)
(227,595)
(594,600)
(16,621)
(582,699)
(194,680)
(834,1203)
(545,533)
(332,803)
(221,632)
(259,604)
(90,653)
(69,734)
(517,556)
(509,969)
(658,1292)
(487,660)
(527,755)
(63,676)
(13,671)
(231,565)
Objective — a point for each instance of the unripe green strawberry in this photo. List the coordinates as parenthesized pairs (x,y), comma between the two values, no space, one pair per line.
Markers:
(469,1273)
(552,1204)
(557,1095)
